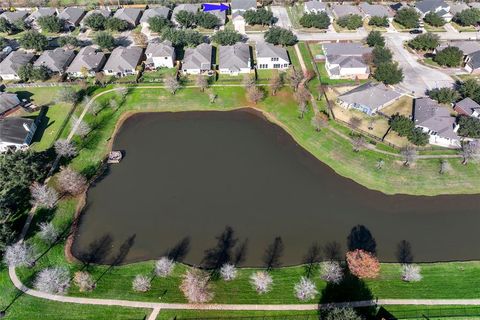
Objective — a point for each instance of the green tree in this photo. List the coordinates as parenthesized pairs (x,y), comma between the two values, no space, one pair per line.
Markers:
(25,72)
(50,24)
(425,42)
(433,19)
(351,21)
(381,55)
(469,127)
(407,17)
(5,26)
(68,41)
(33,40)
(261,16)
(388,73)
(319,20)
(116,24)
(401,124)
(96,21)
(375,38)
(185,19)
(444,95)
(471,89)
(418,137)
(450,57)
(29,72)
(378,21)
(467,17)
(157,24)
(226,37)
(41,73)
(20,25)
(277,35)
(104,40)
(206,20)
(181,38)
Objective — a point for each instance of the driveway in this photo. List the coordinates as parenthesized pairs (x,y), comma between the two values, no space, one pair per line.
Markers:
(281,14)
(417,78)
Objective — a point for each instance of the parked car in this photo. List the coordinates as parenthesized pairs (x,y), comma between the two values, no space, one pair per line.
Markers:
(416,31)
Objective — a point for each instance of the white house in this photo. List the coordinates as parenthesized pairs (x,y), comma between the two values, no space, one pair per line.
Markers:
(440,7)
(234,60)
(314,6)
(346,60)
(16,133)
(239,23)
(160,55)
(271,57)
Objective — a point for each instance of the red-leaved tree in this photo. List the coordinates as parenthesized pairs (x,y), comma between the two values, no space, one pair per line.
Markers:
(363,264)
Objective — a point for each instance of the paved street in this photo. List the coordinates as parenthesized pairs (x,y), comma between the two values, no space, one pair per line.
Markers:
(281,14)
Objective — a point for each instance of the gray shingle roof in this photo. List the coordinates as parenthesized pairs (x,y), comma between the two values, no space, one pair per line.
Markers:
(13,16)
(426,6)
(373,95)
(243,4)
(160,49)
(467,105)
(154,12)
(193,8)
(130,15)
(123,58)
(234,57)
(56,60)
(340,10)
(457,7)
(376,10)
(466,46)
(429,114)
(267,50)
(474,60)
(199,57)
(8,101)
(89,58)
(221,15)
(72,15)
(13,129)
(14,61)
(43,12)
(315,5)
(104,12)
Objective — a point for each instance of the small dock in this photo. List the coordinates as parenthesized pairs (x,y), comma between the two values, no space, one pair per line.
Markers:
(115,157)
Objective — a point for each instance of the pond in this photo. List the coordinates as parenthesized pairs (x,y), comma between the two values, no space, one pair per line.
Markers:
(187,176)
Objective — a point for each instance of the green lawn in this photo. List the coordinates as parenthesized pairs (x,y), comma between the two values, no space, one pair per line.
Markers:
(157,75)
(251,315)
(307,58)
(462,28)
(294,58)
(431,28)
(295,12)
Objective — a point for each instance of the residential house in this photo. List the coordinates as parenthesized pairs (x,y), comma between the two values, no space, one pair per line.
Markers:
(346,60)
(234,59)
(154,12)
(376,10)
(271,57)
(341,10)
(241,6)
(457,7)
(160,55)
(472,62)
(10,65)
(32,19)
(12,16)
(221,15)
(88,62)
(71,17)
(467,46)
(314,6)
(239,23)
(190,7)
(467,107)
(9,102)
(369,97)
(129,15)
(440,7)
(197,60)
(437,122)
(16,133)
(475,5)
(56,60)
(123,61)
(104,12)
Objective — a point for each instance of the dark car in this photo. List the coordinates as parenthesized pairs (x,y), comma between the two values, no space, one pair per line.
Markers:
(416,31)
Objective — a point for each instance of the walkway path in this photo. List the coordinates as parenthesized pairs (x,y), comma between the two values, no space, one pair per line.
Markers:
(300,58)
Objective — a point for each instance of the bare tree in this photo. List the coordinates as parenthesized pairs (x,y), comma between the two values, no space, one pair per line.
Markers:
(228,272)
(139,39)
(276,83)
(212,96)
(379,164)
(84,281)
(202,82)
(319,121)
(19,254)
(248,81)
(164,267)
(82,127)
(261,281)
(355,122)
(100,78)
(409,155)
(302,96)
(254,94)
(43,196)
(55,280)
(113,104)
(305,289)
(358,143)
(141,283)
(196,287)
(65,148)
(123,92)
(48,233)
(71,181)
(444,166)
(171,83)
(411,273)
(295,78)
(67,94)
(332,272)
(470,152)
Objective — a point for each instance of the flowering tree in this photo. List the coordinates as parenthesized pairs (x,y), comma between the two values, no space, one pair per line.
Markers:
(71,181)
(164,267)
(64,148)
(228,272)
(19,254)
(82,127)
(332,272)
(342,314)
(141,283)
(84,281)
(55,280)
(261,281)
(43,195)
(254,94)
(411,273)
(171,83)
(196,287)
(48,233)
(305,289)
(363,264)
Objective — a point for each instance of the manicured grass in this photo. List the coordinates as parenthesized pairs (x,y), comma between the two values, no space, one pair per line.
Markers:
(430,28)
(462,28)
(294,58)
(422,312)
(400,27)
(205,314)
(295,12)
(158,75)
(307,58)
(430,62)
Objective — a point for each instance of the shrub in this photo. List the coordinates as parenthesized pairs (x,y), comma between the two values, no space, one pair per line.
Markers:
(375,38)
(141,283)
(350,22)
(444,95)
(315,20)
(425,42)
(362,264)
(433,19)
(379,21)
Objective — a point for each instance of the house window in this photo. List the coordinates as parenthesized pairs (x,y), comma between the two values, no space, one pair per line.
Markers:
(165,58)
(285,65)
(274,59)
(263,66)
(276,65)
